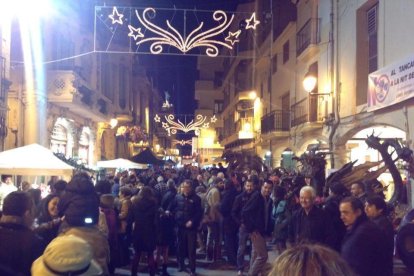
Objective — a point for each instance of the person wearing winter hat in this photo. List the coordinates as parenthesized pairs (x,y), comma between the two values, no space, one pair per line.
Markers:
(80,207)
(66,255)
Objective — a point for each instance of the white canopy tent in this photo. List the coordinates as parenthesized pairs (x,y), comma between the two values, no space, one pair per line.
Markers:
(120,163)
(33,159)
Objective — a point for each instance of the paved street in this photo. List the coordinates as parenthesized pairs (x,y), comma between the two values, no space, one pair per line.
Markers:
(205,268)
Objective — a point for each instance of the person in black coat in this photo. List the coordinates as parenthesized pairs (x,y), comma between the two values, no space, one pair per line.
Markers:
(310,224)
(236,213)
(229,225)
(363,247)
(165,233)
(337,192)
(20,246)
(188,213)
(144,215)
(254,216)
(376,210)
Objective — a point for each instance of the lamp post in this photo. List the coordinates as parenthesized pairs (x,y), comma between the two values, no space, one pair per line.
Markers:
(309,83)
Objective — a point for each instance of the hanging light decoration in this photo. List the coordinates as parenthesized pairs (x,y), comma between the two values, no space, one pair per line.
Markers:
(170,36)
(172,126)
(182,142)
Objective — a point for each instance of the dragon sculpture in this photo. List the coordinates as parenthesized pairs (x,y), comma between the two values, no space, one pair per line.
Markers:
(350,174)
(312,165)
(239,162)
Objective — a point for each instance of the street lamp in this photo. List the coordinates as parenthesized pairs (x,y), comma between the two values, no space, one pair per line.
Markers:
(309,83)
(252,95)
(113,123)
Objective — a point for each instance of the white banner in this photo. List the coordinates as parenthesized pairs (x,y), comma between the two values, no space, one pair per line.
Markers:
(391,84)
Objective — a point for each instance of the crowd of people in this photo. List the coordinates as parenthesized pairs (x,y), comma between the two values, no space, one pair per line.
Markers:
(228,218)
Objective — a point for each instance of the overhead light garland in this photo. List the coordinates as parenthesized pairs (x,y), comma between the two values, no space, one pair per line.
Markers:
(116,17)
(160,36)
(172,126)
(252,22)
(182,142)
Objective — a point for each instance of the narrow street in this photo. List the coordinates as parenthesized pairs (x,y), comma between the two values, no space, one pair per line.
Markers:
(205,268)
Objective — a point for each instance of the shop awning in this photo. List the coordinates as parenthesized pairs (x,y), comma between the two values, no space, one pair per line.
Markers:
(147,157)
(120,163)
(32,159)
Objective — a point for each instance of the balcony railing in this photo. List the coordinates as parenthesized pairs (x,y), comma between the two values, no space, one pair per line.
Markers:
(244,127)
(277,120)
(308,35)
(305,111)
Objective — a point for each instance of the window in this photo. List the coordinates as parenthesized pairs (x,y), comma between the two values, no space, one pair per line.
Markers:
(123,86)
(107,81)
(286,52)
(218,107)
(372,25)
(218,79)
(274,63)
(269,83)
(261,90)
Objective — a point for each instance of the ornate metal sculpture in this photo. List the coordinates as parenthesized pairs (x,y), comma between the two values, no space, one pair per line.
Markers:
(349,174)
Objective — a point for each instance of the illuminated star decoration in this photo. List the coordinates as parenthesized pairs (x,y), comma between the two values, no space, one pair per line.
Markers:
(116,16)
(233,37)
(252,22)
(157,118)
(213,119)
(134,32)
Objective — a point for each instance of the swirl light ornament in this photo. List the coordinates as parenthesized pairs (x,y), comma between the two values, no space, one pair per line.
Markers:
(182,142)
(194,39)
(172,31)
(172,126)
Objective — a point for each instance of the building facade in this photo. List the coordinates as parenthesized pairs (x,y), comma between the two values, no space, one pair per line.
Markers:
(85,105)
(5,40)
(344,45)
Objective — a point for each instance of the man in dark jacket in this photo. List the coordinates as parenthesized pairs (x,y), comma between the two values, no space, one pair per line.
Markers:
(19,245)
(310,223)
(187,211)
(269,222)
(254,215)
(236,214)
(229,225)
(376,210)
(363,247)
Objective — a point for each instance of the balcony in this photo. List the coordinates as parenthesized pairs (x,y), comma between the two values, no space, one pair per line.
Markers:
(67,89)
(306,111)
(242,129)
(307,39)
(276,121)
